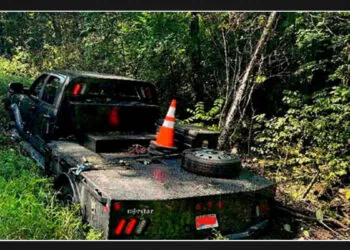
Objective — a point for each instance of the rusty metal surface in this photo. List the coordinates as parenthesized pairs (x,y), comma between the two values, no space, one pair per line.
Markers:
(158,180)
(163,182)
(74,153)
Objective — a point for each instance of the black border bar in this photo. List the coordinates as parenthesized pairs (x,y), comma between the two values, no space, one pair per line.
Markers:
(175,245)
(173,5)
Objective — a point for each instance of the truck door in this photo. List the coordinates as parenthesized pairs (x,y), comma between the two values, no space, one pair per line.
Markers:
(45,114)
(29,103)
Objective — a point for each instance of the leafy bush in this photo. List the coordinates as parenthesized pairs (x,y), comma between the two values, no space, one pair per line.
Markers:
(205,118)
(321,47)
(19,65)
(60,57)
(313,137)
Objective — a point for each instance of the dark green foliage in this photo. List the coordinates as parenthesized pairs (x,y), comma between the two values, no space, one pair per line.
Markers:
(310,139)
(312,135)
(205,118)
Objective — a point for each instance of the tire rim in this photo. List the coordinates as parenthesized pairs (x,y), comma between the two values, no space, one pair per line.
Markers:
(210,154)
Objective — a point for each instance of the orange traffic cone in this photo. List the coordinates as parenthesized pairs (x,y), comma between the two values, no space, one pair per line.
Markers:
(165,137)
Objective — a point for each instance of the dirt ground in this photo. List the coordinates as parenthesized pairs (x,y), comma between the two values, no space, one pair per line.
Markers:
(289,227)
(286,227)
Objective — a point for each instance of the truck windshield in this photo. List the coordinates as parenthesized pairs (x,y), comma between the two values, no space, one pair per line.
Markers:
(110,90)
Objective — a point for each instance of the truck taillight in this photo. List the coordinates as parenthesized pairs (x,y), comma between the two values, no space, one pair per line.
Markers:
(76,89)
(220,204)
(130,227)
(114,117)
(120,227)
(209,205)
(262,209)
(117,206)
(199,207)
(106,208)
(148,92)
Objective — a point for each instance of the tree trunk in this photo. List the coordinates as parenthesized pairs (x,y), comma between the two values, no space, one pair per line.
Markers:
(195,52)
(56,28)
(239,95)
(227,81)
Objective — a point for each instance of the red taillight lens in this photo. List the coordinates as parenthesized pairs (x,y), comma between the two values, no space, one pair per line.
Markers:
(117,206)
(106,208)
(199,207)
(120,227)
(130,227)
(114,117)
(220,204)
(76,89)
(262,209)
(148,92)
(210,205)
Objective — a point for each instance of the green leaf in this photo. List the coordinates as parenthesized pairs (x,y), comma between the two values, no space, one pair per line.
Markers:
(319,215)
(347,195)
(260,79)
(306,234)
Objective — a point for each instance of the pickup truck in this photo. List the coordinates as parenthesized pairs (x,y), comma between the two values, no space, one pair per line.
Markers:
(92,133)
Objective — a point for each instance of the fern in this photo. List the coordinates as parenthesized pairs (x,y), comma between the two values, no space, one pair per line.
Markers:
(200,116)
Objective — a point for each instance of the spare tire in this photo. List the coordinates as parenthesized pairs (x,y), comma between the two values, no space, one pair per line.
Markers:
(211,162)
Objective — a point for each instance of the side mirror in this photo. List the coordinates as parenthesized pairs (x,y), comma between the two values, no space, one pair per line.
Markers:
(16,87)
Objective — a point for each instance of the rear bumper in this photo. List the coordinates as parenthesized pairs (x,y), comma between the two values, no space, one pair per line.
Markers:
(249,232)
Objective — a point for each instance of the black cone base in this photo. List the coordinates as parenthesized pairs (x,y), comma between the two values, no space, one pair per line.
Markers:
(156,149)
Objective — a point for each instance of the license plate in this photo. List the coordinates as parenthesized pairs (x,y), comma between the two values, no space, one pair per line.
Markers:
(206,221)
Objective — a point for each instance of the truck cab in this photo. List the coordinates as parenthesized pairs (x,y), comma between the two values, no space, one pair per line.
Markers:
(62,104)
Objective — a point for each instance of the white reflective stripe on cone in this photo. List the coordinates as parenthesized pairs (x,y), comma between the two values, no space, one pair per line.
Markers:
(171,112)
(168,124)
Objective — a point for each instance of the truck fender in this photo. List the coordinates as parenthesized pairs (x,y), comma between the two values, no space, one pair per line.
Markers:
(65,180)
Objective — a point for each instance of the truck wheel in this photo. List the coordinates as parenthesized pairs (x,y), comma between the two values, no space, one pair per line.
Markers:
(65,195)
(210,162)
